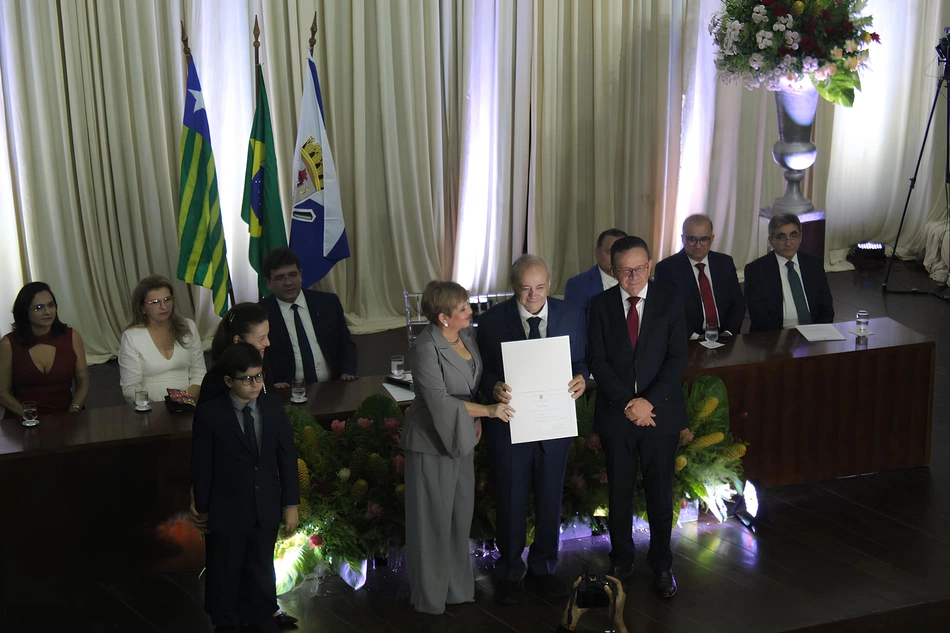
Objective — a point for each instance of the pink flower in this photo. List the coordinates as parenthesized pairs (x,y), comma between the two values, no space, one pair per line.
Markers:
(578,485)
(395,437)
(593,443)
(338,426)
(603,478)
(400,463)
(373,510)
(686,436)
(316,541)
(391,425)
(364,423)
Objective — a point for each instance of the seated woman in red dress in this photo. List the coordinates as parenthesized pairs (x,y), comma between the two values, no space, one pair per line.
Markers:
(41,360)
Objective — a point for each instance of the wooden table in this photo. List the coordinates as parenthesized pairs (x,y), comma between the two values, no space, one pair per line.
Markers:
(106,490)
(814,411)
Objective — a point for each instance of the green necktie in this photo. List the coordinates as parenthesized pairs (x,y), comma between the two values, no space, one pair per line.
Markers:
(798,294)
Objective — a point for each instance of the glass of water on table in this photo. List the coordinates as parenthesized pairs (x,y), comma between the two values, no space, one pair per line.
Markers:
(29,414)
(398,365)
(298,391)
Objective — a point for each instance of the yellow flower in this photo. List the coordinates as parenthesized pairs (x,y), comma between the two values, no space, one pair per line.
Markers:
(303,475)
(680,462)
(734,452)
(308,437)
(359,489)
(837,53)
(708,440)
(709,406)
(797,8)
(303,510)
(852,63)
(866,37)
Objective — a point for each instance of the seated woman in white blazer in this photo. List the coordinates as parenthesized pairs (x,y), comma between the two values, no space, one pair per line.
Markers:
(159,348)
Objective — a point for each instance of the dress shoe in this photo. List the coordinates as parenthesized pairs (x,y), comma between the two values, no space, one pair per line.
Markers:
(549,584)
(665,584)
(506,592)
(284,620)
(623,573)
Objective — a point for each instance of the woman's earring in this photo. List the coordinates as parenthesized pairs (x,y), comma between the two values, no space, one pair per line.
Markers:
(446,324)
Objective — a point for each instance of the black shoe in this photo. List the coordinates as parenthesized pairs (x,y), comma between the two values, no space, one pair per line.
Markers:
(506,592)
(549,584)
(665,584)
(623,573)
(285,620)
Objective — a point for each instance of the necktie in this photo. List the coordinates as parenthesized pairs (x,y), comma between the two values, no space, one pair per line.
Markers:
(534,327)
(705,291)
(249,432)
(306,353)
(633,321)
(798,294)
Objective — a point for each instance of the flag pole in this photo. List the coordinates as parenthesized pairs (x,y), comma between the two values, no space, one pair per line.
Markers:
(313,33)
(187,51)
(257,60)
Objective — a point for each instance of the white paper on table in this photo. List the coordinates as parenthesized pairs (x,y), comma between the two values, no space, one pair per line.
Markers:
(820,332)
(399,394)
(711,344)
(538,372)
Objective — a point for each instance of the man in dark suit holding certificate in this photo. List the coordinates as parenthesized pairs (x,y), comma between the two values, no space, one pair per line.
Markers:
(537,467)
(637,353)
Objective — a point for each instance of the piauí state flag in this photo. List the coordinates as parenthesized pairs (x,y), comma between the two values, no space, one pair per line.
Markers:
(202,253)
(261,207)
(317,233)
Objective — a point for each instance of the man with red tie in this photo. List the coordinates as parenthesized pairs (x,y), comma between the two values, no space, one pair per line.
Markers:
(706,279)
(636,350)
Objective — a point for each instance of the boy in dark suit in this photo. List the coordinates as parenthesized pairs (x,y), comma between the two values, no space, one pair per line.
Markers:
(244,471)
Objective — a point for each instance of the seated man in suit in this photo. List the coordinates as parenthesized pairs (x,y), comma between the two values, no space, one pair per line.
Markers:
(309,339)
(786,288)
(580,288)
(707,280)
(538,467)
(637,352)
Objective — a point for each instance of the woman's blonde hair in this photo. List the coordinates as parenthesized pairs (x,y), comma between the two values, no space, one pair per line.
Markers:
(442,297)
(140,318)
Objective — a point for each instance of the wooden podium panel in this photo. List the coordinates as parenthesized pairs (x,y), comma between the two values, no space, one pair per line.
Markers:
(813,411)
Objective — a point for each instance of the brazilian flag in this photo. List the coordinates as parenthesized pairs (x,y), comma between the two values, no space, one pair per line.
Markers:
(202,253)
(261,208)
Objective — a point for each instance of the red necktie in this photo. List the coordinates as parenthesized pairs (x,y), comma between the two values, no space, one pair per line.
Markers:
(705,291)
(633,321)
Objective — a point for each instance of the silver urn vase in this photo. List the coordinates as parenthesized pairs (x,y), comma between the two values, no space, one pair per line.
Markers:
(796,104)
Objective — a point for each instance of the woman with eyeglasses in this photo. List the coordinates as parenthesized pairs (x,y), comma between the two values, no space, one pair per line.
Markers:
(160,349)
(41,360)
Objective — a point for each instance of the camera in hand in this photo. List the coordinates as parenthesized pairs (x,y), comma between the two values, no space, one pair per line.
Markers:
(591,592)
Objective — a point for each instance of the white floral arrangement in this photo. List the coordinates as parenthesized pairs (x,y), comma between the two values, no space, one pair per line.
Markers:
(774,43)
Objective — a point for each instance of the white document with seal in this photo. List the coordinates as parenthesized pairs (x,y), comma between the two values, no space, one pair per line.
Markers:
(538,372)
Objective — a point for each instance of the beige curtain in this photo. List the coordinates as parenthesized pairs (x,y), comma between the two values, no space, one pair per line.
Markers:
(89,100)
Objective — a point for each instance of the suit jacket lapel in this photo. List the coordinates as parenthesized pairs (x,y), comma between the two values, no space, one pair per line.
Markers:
(615,313)
(773,286)
(651,314)
(688,279)
(267,430)
(446,352)
(513,321)
(554,318)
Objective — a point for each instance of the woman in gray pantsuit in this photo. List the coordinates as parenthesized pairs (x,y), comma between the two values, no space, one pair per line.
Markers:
(441,429)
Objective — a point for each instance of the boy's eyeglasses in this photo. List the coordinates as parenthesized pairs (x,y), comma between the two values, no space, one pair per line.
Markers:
(247,380)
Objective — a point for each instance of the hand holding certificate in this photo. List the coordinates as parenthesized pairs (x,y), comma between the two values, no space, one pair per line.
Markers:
(538,372)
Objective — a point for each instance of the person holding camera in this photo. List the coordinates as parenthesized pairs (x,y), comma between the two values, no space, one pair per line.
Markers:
(586,593)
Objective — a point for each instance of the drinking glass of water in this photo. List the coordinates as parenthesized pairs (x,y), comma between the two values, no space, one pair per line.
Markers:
(298,391)
(29,414)
(862,321)
(141,399)
(712,333)
(398,364)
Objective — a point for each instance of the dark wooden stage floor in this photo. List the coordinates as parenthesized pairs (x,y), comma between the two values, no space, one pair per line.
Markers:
(869,553)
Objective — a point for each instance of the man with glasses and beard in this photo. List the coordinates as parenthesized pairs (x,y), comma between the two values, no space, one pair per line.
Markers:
(636,350)
(786,288)
(711,293)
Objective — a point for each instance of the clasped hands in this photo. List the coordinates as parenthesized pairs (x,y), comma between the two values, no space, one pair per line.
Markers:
(640,412)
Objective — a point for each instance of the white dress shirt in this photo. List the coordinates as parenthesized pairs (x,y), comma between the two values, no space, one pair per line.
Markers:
(692,264)
(319,360)
(141,364)
(608,281)
(525,315)
(790,316)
